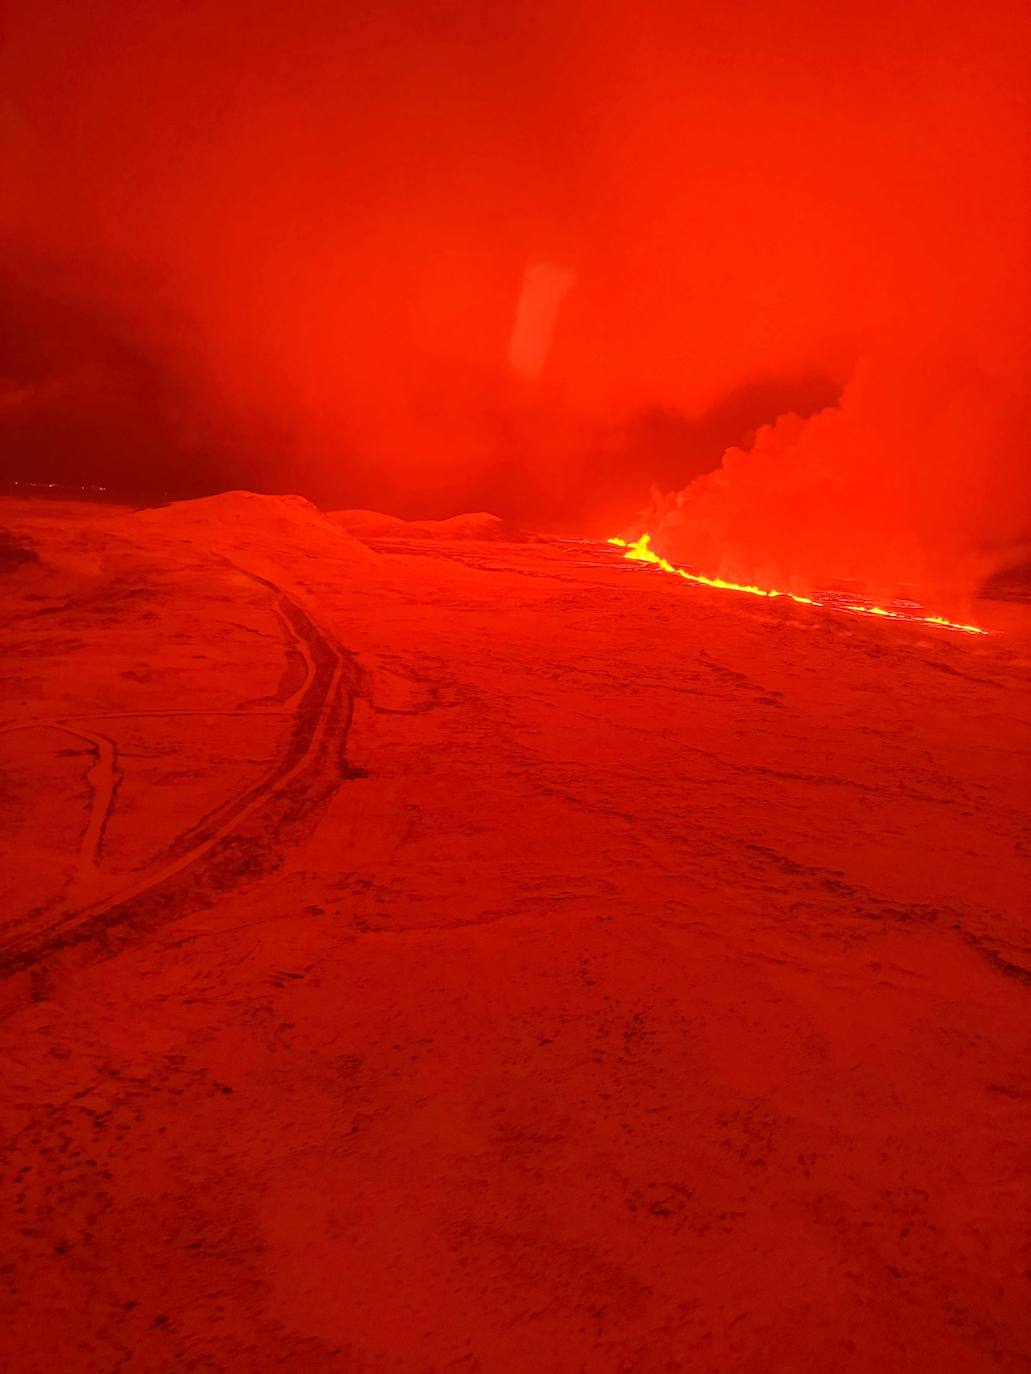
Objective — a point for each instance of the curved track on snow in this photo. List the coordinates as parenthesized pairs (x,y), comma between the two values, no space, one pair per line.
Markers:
(229,841)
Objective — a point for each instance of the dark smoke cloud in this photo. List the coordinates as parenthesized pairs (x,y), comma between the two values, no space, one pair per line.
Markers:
(93,391)
(302,237)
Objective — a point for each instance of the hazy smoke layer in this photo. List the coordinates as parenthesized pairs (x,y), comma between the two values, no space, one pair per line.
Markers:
(308,247)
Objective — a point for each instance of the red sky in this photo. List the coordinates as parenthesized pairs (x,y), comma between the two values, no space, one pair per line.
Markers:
(285,245)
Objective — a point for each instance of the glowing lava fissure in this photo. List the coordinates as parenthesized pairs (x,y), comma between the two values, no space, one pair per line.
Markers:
(640,551)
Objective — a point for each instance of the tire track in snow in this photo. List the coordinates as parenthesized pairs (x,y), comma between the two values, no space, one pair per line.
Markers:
(321,720)
(103,778)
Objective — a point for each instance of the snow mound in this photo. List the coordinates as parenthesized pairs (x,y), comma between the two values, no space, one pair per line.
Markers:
(477,525)
(239,519)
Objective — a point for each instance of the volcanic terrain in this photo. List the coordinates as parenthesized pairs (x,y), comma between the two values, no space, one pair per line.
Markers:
(438,953)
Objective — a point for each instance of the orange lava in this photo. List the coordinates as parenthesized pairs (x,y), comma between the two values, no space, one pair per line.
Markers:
(640,551)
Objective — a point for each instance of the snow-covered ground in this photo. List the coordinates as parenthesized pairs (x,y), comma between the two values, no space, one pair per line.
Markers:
(444,954)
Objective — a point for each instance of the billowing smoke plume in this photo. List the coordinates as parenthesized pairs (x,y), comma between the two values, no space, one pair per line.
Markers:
(920,471)
(919,476)
(532,258)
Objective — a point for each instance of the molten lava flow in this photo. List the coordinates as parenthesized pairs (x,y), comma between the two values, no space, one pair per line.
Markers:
(640,551)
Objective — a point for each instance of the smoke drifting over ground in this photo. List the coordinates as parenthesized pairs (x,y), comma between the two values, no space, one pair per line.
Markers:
(536,260)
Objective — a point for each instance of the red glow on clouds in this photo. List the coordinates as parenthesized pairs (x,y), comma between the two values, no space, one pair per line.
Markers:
(537,261)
